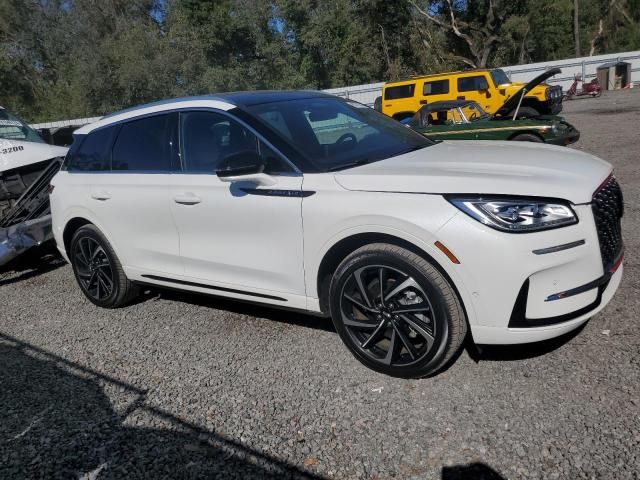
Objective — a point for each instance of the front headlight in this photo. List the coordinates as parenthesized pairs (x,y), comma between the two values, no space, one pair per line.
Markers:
(516,215)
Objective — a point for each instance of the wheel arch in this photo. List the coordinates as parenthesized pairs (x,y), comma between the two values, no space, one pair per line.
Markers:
(345,246)
(71,228)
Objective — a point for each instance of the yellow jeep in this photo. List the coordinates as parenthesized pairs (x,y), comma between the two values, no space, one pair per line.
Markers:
(489,88)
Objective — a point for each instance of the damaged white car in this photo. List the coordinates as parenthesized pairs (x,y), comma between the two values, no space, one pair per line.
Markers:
(27,164)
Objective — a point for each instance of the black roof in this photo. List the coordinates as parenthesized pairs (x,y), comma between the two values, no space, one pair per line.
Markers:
(267,96)
(240,99)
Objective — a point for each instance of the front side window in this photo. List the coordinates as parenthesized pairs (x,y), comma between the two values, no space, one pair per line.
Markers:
(147,145)
(437,87)
(332,133)
(93,154)
(208,138)
(469,84)
(401,91)
(12,128)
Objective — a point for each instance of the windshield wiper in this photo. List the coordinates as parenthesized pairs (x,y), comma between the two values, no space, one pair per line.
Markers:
(356,163)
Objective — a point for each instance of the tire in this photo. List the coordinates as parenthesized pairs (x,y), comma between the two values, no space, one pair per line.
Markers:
(526,112)
(98,270)
(527,137)
(377,104)
(424,340)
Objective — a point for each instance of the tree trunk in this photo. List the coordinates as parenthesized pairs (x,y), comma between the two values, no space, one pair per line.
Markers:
(576,27)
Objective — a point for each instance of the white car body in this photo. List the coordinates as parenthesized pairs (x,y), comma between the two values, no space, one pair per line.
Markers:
(195,230)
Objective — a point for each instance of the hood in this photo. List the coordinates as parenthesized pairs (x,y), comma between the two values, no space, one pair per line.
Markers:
(476,167)
(16,153)
(512,101)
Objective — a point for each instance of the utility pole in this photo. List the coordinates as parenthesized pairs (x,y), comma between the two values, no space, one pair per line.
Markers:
(576,27)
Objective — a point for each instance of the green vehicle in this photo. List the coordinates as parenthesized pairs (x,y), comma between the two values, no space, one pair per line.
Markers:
(466,120)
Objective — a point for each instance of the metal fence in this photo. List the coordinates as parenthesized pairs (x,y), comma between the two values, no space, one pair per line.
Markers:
(585,66)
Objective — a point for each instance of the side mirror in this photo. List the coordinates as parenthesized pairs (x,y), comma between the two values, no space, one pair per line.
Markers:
(239,164)
(245,166)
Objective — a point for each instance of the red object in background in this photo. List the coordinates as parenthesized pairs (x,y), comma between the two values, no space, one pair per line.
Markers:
(593,88)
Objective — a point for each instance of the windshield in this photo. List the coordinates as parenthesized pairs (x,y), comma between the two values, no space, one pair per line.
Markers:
(499,77)
(12,128)
(334,134)
(473,112)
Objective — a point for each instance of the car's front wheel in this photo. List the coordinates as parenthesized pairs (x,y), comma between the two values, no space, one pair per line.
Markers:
(98,270)
(396,312)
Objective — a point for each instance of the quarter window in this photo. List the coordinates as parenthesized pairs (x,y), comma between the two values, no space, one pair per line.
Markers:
(147,145)
(469,84)
(437,87)
(93,153)
(401,91)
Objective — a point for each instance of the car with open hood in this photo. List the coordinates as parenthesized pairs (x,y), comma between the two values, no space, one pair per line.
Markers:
(466,120)
(488,88)
(306,201)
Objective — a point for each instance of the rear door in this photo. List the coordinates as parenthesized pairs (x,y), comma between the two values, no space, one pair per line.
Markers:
(130,199)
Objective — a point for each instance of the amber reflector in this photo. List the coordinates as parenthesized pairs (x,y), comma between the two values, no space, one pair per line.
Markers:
(447,252)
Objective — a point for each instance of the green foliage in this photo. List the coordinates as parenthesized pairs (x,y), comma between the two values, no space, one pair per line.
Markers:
(76,58)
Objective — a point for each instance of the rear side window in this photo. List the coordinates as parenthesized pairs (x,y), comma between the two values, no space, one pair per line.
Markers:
(401,91)
(93,153)
(468,84)
(437,87)
(147,145)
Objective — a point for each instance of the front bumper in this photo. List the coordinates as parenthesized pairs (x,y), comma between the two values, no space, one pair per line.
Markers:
(570,137)
(509,284)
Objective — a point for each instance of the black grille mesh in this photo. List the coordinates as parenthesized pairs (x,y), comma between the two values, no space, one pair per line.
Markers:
(608,207)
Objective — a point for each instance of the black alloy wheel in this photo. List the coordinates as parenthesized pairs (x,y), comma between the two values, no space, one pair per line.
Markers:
(98,270)
(388,315)
(93,268)
(396,312)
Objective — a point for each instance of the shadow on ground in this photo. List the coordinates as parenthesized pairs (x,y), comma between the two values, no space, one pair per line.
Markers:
(32,263)
(56,422)
(291,317)
(473,471)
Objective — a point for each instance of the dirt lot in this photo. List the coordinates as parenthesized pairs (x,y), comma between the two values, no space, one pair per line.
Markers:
(186,386)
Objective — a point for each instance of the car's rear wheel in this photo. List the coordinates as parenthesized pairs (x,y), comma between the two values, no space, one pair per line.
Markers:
(527,137)
(98,270)
(526,112)
(396,312)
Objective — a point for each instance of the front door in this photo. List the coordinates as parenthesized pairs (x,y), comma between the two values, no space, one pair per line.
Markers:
(237,236)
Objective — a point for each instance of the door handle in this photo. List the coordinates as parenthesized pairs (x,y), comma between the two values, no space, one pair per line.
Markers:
(101,195)
(187,199)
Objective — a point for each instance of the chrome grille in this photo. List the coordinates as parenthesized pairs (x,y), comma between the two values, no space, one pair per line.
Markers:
(608,207)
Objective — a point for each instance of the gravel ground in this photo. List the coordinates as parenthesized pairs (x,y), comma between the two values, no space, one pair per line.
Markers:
(186,386)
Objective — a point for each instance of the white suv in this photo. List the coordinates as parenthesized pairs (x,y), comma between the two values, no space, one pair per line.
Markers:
(308,201)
